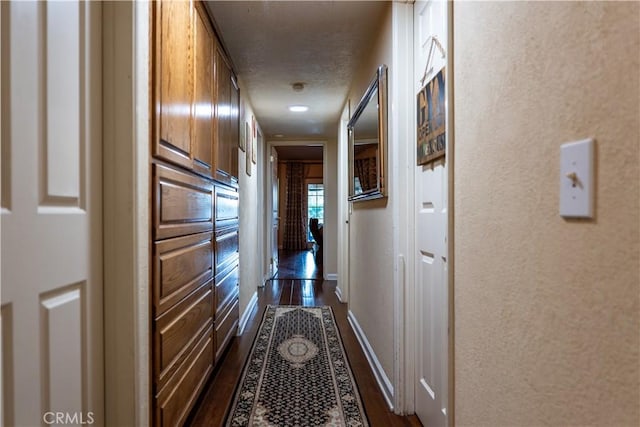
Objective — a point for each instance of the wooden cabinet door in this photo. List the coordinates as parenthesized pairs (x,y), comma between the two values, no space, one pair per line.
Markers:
(234,127)
(174,61)
(223,106)
(227,113)
(203,94)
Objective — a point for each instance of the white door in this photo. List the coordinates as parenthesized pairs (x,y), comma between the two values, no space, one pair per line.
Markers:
(431,239)
(275,220)
(51,222)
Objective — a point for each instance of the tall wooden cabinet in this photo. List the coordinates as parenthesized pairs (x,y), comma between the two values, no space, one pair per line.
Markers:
(195,207)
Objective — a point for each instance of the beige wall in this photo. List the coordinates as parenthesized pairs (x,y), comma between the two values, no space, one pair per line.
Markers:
(250,258)
(371,237)
(546,309)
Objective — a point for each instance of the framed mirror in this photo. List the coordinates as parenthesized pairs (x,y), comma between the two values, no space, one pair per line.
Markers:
(368,142)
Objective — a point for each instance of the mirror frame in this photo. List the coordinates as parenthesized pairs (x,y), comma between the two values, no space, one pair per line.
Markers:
(379,82)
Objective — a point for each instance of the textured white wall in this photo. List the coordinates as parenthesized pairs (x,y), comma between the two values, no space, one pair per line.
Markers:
(371,237)
(250,258)
(546,310)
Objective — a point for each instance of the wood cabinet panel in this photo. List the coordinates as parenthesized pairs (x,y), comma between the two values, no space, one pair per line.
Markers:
(195,220)
(227,113)
(176,331)
(234,126)
(174,50)
(226,287)
(180,266)
(183,203)
(226,247)
(226,326)
(203,118)
(227,205)
(176,399)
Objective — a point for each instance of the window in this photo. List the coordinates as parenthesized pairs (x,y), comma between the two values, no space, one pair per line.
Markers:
(315,205)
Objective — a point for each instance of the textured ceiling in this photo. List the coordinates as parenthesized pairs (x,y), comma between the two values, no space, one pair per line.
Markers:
(274,44)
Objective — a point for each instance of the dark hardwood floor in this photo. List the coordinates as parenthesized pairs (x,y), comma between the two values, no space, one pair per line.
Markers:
(213,406)
(298,265)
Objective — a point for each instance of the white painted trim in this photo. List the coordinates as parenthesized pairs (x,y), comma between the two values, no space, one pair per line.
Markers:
(339,294)
(126,212)
(451,140)
(342,187)
(378,372)
(142,144)
(253,303)
(402,128)
(330,276)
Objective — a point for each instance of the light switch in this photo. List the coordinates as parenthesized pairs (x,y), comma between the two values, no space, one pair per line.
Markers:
(576,179)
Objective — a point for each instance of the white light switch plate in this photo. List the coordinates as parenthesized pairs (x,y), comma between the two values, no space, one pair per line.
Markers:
(576,191)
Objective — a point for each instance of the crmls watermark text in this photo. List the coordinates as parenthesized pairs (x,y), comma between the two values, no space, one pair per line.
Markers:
(62,418)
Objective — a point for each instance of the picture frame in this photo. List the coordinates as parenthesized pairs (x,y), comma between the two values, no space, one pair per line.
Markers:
(245,134)
(431,120)
(242,142)
(254,151)
(249,146)
(367,130)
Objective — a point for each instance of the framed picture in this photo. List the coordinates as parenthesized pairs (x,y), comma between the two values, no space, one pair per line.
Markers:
(242,142)
(249,146)
(245,133)
(254,150)
(431,120)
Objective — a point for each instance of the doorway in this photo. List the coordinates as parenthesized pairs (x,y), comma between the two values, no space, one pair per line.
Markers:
(432,212)
(296,216)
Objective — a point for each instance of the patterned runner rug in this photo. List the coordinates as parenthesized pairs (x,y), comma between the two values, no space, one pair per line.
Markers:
(297,374)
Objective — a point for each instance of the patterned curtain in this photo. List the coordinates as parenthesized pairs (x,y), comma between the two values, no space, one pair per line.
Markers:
(295,226)
(366,171)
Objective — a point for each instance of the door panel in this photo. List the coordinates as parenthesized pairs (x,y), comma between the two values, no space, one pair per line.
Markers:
(51,219)
(203,94)
(431,380)
(175,86)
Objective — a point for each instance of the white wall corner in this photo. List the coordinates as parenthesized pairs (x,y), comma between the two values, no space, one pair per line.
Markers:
(244,318)
(142,53)
(402,130)
(378,372)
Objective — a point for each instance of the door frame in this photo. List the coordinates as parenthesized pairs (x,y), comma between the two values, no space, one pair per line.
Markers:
(344,206)
(268,218)
(126,186)
(409,349)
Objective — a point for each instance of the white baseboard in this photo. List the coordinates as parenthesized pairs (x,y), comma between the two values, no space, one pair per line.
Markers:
(265,278)
(383,381)
(331,276)
(339,294)
(253,302)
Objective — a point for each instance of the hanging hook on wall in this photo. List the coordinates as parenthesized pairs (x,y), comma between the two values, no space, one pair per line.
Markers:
(428,69)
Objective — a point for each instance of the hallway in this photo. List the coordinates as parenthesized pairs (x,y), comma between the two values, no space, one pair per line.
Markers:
(214,404)
(141,181)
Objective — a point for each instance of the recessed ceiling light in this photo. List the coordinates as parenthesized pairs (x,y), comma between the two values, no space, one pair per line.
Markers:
(298,108)
(278,135)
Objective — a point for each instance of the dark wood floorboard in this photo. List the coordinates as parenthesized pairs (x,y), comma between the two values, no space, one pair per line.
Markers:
(212,407)
(297,265)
